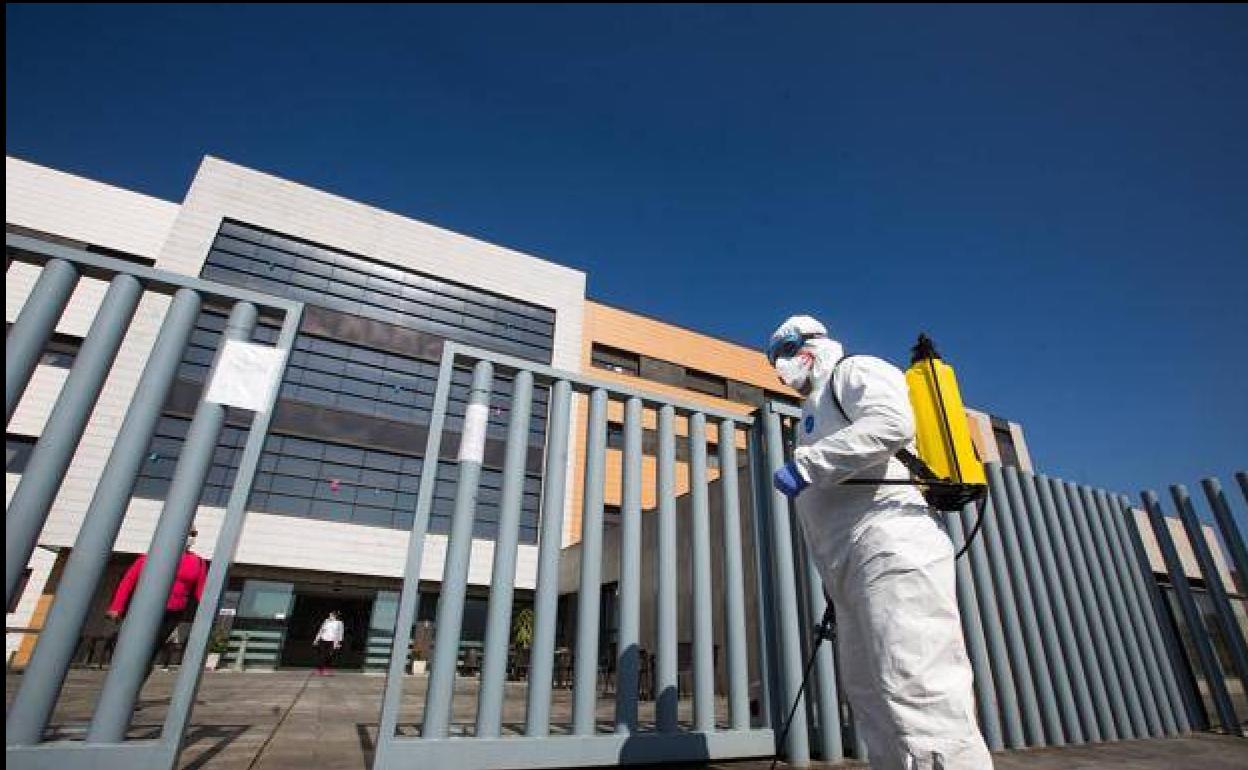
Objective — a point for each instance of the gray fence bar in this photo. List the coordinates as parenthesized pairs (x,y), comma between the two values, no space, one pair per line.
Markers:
(1144,622)
(1010,594)
(438,698)
(182,701)
(1242,478)
(990,614)
(1056,700)
(1231,535)
(1122,634)
(1085,674)
(666,683)
(35,324)
(1112,707)
(28,509)
(409,598)
(826,699)
(1228,623)
(585,676)
(628,648)
(503,577)
(764,617)
(1192,616)
(976,644)
(734,581)
(45,673)
(703,628)
(546,600)
(1055,625)
(1106,627)
(1144,668)
(129,666)
(789,647)
(1180,689)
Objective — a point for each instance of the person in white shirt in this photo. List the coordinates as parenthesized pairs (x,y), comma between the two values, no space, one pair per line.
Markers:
(328,642)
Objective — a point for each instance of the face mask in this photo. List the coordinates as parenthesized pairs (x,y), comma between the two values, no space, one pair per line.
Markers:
(795,371)
(190,542)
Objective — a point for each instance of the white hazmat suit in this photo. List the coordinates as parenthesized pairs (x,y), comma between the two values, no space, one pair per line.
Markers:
(885,560)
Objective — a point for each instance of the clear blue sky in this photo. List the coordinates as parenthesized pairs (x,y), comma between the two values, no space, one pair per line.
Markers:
(1059,195)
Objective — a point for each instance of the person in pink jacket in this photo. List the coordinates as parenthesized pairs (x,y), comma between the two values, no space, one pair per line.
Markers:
(188,587)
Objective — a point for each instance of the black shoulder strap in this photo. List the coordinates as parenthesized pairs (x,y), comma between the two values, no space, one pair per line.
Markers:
(913,463)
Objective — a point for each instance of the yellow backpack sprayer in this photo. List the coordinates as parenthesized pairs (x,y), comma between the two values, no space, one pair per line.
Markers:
(946,469)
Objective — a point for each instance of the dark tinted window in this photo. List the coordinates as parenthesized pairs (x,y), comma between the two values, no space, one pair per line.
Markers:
(275,264)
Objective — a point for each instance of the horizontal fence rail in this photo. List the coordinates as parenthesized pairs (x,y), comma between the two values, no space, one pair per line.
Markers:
(106,744)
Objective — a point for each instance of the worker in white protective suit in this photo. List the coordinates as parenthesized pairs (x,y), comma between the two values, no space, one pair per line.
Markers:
(885,559)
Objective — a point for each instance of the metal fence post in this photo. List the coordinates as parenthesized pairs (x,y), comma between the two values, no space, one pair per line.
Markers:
(27,511)
(703,628)
(734,581)
(789,649)
(147,608)
(666,673)
(546,601)
(585,676)
(34,326)
(498,625)
(628,648)
(458,550)
(1231,535)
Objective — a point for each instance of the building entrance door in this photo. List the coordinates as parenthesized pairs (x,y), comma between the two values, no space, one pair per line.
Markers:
(305,620)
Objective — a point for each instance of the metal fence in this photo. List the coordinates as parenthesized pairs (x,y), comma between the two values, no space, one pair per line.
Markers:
(587,739)
(105,743)
(1070,636)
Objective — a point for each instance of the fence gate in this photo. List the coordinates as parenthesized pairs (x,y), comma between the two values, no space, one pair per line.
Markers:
(645,720)
(105,745)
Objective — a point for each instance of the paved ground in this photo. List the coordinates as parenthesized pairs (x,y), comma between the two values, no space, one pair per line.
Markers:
(293,721)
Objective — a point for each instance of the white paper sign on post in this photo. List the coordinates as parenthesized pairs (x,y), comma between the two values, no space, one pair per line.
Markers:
(472,440)
(246,375)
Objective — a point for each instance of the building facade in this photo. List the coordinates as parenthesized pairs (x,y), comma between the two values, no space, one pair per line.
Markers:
(328,520)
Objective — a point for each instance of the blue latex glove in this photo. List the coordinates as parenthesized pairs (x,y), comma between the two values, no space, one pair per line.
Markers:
(790,481)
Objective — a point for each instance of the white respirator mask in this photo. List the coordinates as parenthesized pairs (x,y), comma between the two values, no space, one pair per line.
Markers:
(795,371)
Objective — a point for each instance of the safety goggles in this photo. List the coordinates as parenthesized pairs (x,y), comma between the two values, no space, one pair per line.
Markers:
(787,346)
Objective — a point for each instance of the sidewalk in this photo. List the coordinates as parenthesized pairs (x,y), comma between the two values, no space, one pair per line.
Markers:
(290,720)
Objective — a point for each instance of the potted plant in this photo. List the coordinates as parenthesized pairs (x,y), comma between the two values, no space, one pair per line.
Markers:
(419,664)
(218,644)
(422,640)
(522,630)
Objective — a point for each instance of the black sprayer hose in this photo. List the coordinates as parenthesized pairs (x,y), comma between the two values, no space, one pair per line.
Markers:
(829,621)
